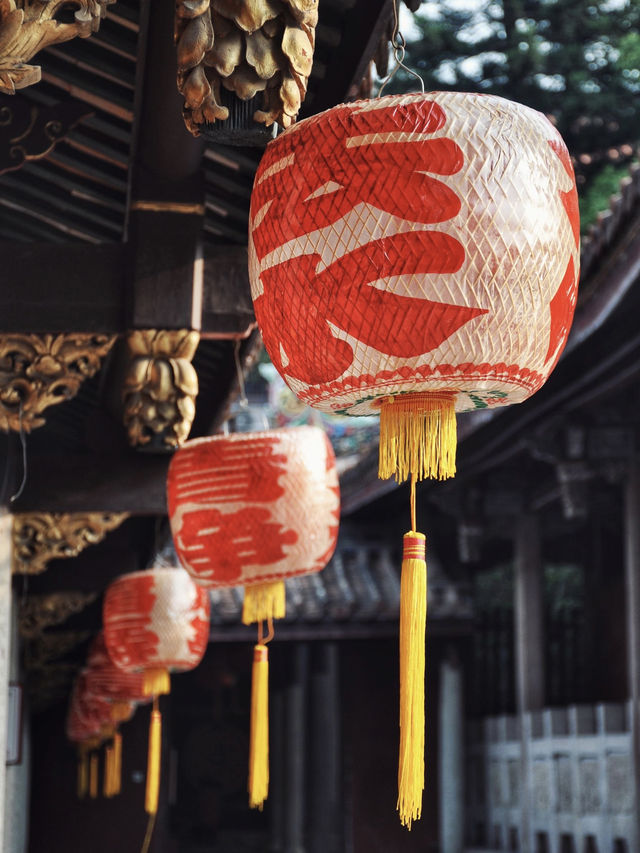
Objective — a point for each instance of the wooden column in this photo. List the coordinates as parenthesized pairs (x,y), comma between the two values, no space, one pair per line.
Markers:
(451,755)
(325,835)
(277,745)
(632,578)
(295,753)
(5,640)
(529,655)
(528,616)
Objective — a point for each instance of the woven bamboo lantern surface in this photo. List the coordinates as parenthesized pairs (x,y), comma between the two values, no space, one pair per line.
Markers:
(252,508)
(415,243)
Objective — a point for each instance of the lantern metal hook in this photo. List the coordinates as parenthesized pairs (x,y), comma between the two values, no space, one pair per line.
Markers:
(244,402)
(399,49)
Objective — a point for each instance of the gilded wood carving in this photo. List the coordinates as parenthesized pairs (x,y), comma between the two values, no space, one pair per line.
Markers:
(28,26)
(37,371)
(39,612)
(160,388)
(41,537)
(245,46)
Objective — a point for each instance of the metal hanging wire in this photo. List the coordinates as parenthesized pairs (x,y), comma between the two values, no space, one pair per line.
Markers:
(399,45)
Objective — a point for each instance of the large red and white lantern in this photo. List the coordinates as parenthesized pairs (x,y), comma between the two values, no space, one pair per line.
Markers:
(415,255)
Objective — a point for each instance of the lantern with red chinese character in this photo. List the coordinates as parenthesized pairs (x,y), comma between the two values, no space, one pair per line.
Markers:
(415,255)
(155,622)
(254,509)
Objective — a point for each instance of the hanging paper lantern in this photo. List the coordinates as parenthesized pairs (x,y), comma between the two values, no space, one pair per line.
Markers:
(92,720)
(155,622)
(254,509)
(416,255)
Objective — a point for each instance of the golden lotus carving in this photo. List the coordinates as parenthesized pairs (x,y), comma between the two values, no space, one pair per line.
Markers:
(28,26)
(39,538)
(37,371)
(160,387)
(247,47)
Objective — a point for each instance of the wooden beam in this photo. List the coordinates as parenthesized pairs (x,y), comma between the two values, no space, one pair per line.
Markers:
(75,287)
(85,482)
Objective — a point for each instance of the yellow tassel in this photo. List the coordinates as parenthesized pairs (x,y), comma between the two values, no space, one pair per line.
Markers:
(413,616)
(83,772)
(264,601)
(120,712)
(93,775)
(117,763)
(418,436)
(107,782)
(259,734)
(156,682)
(153,762)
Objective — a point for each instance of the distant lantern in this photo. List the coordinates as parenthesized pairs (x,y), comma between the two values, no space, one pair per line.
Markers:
(155,622)
(417,256)
(253,509)
(92,720)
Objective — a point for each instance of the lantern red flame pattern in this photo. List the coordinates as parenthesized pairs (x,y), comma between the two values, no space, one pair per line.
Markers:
(415,243)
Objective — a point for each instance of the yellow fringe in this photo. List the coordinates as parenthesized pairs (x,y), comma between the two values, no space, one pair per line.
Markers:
(264,601)
(117,763)
(93,775)
(418,436)
(153,762)
(156,682)
(413,617)
(107,782)
(259,732)
(83,772)
(120,712)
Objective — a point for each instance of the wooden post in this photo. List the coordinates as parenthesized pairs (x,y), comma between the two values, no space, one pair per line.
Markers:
(529,655)
(325,834)
(5,639)
(632,582)
(295,754)
(451,755)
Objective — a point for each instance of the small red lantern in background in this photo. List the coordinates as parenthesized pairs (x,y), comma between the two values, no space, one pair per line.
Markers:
(155,622)
(91,720)
(254,509)
(415,255)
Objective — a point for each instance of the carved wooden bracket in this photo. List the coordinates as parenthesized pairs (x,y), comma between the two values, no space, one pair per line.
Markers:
(28,26)
(245,46)
(29,132)
(160,388)
(50,646)
(37,371)
(41,537)
(39,612)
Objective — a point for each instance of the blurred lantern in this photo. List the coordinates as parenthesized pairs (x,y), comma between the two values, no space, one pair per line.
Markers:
(155,622)
(91,721)
(415,256)
(254,509)
(122,690)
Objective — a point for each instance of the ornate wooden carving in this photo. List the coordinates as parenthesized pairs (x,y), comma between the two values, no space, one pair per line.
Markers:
(28,26)
(41,537)
(51,645)
(39,612)
(160,388)
(37,371)
(245,46)
(29,131)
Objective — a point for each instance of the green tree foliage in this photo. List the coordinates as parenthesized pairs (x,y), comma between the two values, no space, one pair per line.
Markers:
(577,61)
